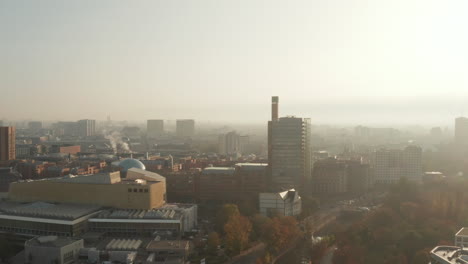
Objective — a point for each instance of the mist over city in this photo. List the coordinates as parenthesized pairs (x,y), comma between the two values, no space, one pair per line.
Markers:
(237,132)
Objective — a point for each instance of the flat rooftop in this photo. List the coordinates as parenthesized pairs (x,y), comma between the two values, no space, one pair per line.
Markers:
(252,166)
(450,255)
(167,245)
(47,210)
(219,170)
(166,212)
(51,241)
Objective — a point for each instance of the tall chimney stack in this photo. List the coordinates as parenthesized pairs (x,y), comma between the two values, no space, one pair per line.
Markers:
(274,108)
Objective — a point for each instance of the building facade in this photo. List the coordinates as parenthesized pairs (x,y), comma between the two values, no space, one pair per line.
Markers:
(461,238)
(139,190)
(392,165)
(52,249)
(229,143)
(461,131)
(185,128)
(86,127)
(290,148)
(330,176)
(7,143)
(287,203)
(155,128)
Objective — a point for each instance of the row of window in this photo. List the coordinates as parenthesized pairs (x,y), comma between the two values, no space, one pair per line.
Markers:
(137,190)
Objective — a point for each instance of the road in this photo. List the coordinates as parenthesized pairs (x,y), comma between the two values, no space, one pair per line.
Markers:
(250,256)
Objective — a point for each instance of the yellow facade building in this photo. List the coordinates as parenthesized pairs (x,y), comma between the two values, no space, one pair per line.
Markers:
(139,190)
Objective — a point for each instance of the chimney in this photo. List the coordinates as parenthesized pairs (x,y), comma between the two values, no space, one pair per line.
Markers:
(274,108)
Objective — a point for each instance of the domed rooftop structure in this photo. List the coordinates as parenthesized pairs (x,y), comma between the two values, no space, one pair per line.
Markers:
(127,164)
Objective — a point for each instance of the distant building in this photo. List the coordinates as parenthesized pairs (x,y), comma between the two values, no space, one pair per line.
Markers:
(461,131)
(217,184)
(362,131)
(86,127)
(52,249)
(185,128)
(244,144)
(7,176)
(433,177)
(65,129)
(155,128)
(35,125)
(330,176)
(131,131)
(436,132)
(243,182)
(461,238)
(229,143)
(23,150)
(360,176)
(181,186)
(7,143)
(65,149)
(252,179)
(392,165)
(287,203)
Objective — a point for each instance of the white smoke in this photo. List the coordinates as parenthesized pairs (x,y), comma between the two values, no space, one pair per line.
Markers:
(115,139)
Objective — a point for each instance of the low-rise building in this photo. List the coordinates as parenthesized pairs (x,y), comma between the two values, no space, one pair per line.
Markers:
(65,149)
(7,176)
(252,179)
(217,184)
(26,220)
(139,190)
(175,218)
(167,251)
(449,255)
(330,176)
(457,254)
(287,203)
(461,238)
(52,249)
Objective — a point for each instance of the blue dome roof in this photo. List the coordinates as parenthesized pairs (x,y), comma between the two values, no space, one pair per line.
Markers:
(127,164)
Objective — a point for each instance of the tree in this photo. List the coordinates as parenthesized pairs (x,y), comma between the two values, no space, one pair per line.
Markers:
(280,232)
(213,242)
(259,224)
(237,231)
(224,214)
(421,257)
(266,259)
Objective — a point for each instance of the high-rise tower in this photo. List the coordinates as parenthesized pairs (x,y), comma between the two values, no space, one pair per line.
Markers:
(289,150)
(155,128)
(7,143)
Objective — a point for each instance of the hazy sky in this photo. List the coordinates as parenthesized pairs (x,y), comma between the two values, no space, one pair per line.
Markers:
(343,61)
